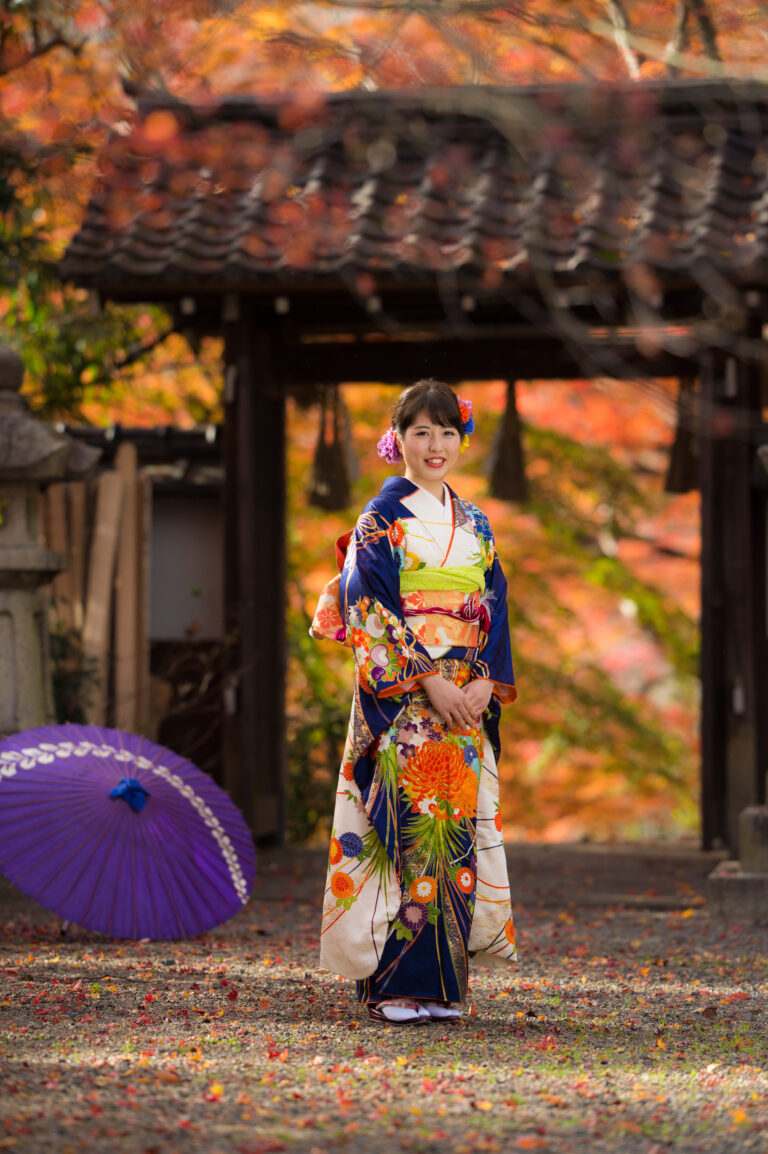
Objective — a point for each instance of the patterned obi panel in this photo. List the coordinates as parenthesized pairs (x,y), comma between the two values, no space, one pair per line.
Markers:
(445,617)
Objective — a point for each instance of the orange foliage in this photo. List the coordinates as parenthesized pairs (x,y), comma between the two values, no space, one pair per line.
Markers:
(61,78)
(171,386)
(553,789)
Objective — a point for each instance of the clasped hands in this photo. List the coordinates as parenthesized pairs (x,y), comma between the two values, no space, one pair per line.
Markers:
(459,708)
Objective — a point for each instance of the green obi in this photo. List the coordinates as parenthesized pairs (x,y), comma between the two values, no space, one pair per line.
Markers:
(459,578)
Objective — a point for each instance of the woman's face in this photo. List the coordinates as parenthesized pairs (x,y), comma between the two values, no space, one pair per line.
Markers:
(430,452)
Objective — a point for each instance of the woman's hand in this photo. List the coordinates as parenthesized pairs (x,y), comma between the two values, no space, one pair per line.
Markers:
(478,693)
(454,706)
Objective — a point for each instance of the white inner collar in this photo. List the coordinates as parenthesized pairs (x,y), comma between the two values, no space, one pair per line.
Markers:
(444,504)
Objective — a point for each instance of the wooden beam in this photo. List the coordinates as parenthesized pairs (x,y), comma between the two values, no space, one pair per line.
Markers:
(398,362)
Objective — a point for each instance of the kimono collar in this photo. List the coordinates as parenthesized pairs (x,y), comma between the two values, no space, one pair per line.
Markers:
(399,487)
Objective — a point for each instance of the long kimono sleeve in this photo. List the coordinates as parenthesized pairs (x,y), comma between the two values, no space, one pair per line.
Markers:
(389,659)
(494,662)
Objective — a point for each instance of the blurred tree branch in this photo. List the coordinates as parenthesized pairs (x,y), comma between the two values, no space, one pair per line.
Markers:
(622,35)
(699,11)
(706,24)
(27,33)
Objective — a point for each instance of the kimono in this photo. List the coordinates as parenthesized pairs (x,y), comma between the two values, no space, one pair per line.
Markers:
(417,877)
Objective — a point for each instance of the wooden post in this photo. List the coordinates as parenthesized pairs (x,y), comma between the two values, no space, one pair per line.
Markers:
(733,599)
(143,583)
(257,424)
(713,615)
(684,467)
(98,608)
(126,676)
(230,702)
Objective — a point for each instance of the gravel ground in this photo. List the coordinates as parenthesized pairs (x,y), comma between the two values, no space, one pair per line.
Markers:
(631,1023)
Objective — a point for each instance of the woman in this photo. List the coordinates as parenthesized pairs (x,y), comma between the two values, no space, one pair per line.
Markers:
(417,878)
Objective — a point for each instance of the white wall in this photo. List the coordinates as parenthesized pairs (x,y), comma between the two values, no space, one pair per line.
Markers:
(187,569)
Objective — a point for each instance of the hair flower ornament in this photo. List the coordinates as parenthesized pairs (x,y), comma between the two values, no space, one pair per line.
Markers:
(388,448)
(467,422)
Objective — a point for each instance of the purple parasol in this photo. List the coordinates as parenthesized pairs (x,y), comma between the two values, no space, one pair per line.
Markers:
(120,835)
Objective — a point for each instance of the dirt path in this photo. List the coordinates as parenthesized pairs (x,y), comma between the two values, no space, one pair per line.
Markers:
(632,1023)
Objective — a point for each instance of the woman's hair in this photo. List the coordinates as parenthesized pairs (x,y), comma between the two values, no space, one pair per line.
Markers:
(429,396)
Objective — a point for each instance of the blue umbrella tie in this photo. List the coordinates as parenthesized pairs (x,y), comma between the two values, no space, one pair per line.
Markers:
(131,791)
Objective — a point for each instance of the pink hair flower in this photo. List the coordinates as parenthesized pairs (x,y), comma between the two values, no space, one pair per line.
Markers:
(388,448)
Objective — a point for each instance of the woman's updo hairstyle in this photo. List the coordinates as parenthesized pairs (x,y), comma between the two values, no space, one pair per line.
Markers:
(432,397)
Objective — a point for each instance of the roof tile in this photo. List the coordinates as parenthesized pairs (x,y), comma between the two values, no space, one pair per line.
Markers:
(413,185)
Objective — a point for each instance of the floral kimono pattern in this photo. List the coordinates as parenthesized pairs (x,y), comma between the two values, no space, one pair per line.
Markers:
(417,879)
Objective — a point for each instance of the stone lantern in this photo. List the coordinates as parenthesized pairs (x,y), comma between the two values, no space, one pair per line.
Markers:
(32,456)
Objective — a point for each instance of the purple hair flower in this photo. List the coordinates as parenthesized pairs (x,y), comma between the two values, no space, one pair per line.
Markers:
(388,448)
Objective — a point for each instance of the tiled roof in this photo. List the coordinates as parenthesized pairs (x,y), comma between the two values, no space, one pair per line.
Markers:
(656,183)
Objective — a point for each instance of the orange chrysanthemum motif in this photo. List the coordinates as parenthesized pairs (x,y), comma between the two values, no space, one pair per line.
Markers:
(336,852)
(423,889)
(348,770)
(342,885)
(396,533)
(465,880)
(439,771)
(329,617)
(497,821)
(509,932)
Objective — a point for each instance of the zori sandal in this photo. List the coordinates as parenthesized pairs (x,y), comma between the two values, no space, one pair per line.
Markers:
(441,1011)
(398,1012)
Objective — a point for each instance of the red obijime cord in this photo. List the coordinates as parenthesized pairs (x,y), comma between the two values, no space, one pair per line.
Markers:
(453,534)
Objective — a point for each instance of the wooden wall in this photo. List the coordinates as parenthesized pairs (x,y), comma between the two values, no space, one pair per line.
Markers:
(103,596)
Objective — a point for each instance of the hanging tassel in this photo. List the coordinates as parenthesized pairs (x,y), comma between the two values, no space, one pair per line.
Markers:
(508,481)
(683,470)
(329,487)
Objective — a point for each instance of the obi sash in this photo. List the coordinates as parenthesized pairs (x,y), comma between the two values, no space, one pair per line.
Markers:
(445,607)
